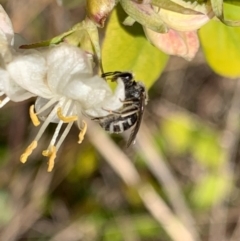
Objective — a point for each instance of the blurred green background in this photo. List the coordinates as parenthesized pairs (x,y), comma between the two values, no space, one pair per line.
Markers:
(179,182)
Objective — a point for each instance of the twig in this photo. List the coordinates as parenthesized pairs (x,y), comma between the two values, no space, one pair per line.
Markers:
(232,126)
(158,166)
(27,215)
(126,170)
(229,142)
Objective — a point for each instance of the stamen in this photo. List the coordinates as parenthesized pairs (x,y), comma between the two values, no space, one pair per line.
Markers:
(64,134)
(82,132)
(28,151)
(55,135)
(66,105)
(47,105)
(51,153)
(46,123)
(33,116)
(61,109)
(65,119)
(4,101)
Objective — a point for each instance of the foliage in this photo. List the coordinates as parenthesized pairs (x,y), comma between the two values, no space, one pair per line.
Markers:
(220,44)
(187,149)
(131,50)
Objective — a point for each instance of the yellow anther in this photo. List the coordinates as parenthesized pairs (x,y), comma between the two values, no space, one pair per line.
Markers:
(28,151)
(46,153)
(52,153)
(82,132)
(66,119)
(33,116)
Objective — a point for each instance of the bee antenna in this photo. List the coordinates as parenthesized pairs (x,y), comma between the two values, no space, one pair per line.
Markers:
(101,66)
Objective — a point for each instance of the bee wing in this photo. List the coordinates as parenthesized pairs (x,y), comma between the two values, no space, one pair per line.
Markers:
(138,123)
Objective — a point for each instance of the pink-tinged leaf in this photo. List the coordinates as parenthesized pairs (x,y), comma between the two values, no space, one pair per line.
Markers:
(183,44)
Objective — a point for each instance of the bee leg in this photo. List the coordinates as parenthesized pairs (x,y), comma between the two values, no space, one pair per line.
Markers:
(128,113)
(113,111)
(126,101)
(100,118)
(124,112)
(97,118)
(129,108)
(130,101)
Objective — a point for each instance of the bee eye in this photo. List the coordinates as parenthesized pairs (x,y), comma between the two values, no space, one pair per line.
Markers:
(126,76)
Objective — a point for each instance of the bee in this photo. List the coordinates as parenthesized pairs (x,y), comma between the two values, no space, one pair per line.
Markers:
(132,110)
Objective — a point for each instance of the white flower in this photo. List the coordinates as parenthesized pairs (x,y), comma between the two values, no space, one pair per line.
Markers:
(63,79)
(6,31)
(7,52)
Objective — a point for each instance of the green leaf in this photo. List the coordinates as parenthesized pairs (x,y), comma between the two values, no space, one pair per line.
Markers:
(86,163)
(129,21)
(142,225)
(55,40)
(127,49)
(234,2)
(147,227)
(206,148)
(178,130)
(221,45)
(83,34)
(232,12)
(217,6)
(5,208)
(209,190)
(145,15)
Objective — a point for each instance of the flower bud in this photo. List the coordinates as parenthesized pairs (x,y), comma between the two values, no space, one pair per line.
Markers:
(187,22)
(99,10)
(183,22)
(183,44)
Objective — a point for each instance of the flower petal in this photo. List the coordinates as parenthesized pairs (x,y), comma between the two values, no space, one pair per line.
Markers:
(64,61)
(201,6)
(6,25)
(29,72)
(111,102)
(11,89)
(183,22)
(184,44)
(89,91)
(40,103)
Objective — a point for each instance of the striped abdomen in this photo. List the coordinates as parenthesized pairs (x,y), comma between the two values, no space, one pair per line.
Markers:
(118,124)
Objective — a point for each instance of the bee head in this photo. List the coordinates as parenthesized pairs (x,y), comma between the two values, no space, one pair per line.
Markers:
(126,77)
